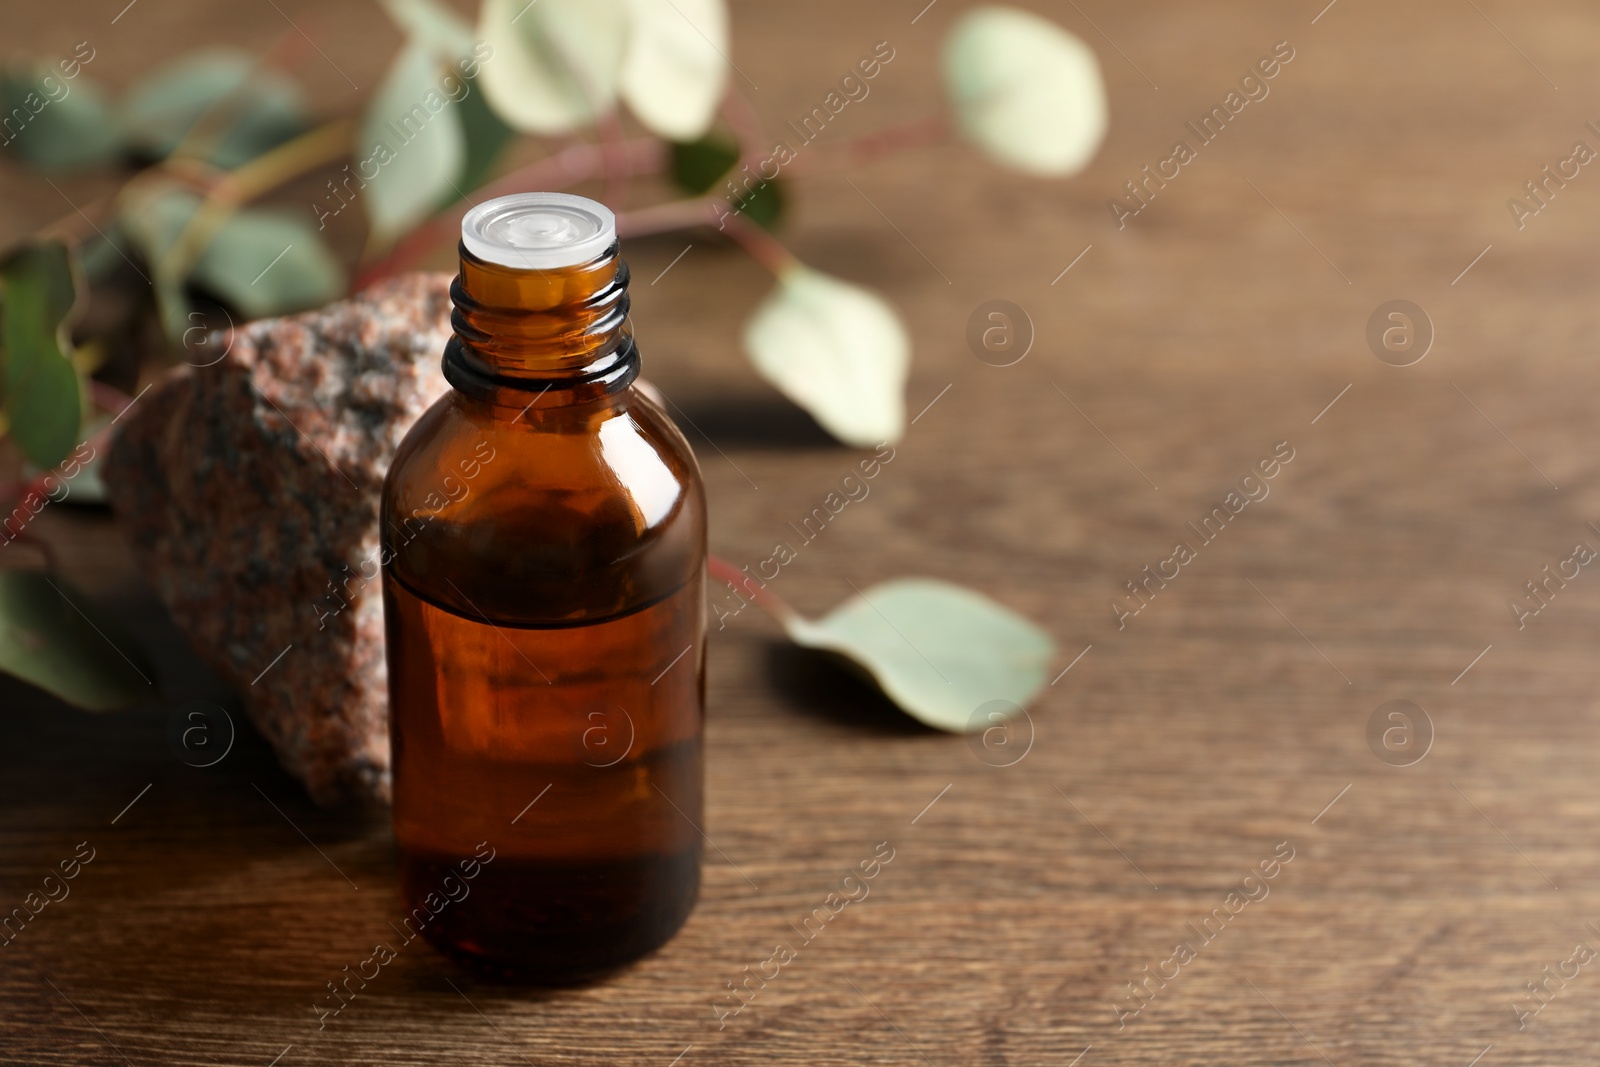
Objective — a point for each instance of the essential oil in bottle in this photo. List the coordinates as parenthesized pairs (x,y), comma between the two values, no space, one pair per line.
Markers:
(544,549)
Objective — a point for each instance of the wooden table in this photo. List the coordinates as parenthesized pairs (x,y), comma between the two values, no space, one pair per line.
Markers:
(1228,717)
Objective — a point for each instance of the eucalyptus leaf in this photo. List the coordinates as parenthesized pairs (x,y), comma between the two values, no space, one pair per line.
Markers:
(260,262)
(43,396)
(152,217)
(556,62)
(173,308)
(413,137)
(1025,91)
(695,166)
(675,69)
(255,108)
(837,350)
(44,409)
(763,204)
(80,477)
(101,254)
(56,123)
(265,262)
(54,637)
(937,650)
(486,137)
(450,37)
(426,22)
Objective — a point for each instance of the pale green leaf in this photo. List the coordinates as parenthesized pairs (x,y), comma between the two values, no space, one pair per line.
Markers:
(54,637)
(43,396)
(450,37)
(265,262)
(937,650)
(412,143)
(837,350)
(556,62)
(56,123)
(261,262)
(1024,91)
(249,108)
(675,69)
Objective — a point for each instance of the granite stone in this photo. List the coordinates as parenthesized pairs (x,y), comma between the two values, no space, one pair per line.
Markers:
(249,488)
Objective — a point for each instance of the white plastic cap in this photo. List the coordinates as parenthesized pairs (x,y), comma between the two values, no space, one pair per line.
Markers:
(539,230)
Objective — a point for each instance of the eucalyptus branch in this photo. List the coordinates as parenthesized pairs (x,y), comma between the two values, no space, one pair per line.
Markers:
(207,131)
(764,248)
(261,175)
(930,129)
(707,211)
(75,225)
(645,155)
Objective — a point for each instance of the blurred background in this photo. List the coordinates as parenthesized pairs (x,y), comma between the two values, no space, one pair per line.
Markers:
(1099,274)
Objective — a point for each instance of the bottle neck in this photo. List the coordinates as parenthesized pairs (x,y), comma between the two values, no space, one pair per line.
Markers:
(556,336)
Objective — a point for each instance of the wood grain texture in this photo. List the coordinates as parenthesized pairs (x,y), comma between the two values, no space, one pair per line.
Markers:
(1178,752)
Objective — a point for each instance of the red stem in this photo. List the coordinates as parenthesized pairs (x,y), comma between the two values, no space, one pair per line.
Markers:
(575,164)
(616,160)
(744,585)
(928,130)
(668,217)
(740,114)
(764,248)
(706,211)
(109,397)
(615,193)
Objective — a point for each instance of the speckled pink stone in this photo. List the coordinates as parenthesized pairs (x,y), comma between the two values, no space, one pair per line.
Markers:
(248,486)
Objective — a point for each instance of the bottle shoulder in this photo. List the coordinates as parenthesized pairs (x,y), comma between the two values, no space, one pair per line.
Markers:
(545,514)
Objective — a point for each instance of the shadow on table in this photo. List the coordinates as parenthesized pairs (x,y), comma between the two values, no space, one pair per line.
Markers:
(749,421)
(825,687)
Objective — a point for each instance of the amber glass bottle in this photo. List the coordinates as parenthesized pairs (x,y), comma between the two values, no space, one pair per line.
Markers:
(544,548)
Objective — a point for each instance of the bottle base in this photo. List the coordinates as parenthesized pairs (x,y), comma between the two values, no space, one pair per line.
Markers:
(554,923)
